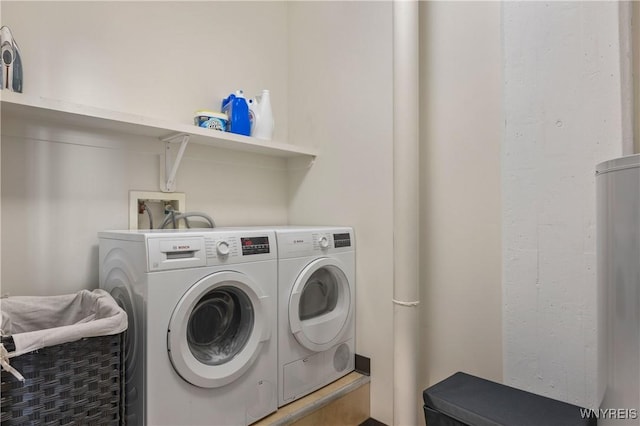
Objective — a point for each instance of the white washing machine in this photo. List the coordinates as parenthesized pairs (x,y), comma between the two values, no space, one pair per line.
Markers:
(201,346)
(316,303)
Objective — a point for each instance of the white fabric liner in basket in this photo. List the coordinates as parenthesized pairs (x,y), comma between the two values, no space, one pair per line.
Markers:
(37,322)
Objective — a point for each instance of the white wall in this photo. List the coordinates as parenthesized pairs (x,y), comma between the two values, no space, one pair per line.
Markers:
(328,66)
(60,186)
(635,58)
(158,59)
(340,100)
(461,132)
(564,113)
(60,191)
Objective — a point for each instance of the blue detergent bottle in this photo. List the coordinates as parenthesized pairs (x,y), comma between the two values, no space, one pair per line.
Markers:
(237,109)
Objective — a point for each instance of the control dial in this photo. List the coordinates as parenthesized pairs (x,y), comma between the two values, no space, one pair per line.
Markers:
(222,247)
(324,242)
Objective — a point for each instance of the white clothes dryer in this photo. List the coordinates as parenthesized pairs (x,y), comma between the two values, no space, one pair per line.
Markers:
(316,304)
(201,345)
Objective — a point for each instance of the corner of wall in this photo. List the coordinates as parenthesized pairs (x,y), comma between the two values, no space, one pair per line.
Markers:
(635,71)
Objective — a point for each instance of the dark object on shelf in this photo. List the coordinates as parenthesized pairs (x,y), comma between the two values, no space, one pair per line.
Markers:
(11,77)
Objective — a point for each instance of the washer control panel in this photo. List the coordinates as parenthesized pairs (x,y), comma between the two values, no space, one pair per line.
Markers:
(235,248)
(175,253)
(255,245)
(223,248)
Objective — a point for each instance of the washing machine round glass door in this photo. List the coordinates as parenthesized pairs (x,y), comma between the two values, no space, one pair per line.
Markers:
(320,304)
(217,329)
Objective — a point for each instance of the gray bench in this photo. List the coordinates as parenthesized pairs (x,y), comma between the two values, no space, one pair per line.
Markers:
(465,400)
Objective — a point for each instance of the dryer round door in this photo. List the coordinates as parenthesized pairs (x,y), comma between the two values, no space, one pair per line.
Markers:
(320,304)
(217,329)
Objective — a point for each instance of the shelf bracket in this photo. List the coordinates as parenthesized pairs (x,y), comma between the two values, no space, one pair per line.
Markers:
(172,160)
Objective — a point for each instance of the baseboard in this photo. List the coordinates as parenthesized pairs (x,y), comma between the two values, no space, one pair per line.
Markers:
(363,365)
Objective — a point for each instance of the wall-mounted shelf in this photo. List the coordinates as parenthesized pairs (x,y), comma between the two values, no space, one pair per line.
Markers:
(67,113)
(62,112)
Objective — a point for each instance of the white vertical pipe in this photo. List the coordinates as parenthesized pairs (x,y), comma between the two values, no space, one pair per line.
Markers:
(405,211)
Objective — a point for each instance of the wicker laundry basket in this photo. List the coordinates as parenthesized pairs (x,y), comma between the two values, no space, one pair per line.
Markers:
(80,382)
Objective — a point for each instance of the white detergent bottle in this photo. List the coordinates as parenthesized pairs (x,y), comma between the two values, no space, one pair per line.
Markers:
(262,116)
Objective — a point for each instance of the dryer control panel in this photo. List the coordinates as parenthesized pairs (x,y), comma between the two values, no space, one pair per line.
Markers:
(342,239)
(292,243)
